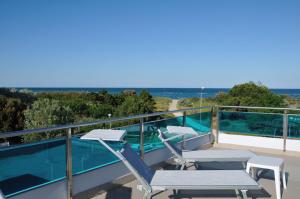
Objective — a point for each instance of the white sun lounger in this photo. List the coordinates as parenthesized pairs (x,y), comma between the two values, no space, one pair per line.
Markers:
(189,180)
(184,157)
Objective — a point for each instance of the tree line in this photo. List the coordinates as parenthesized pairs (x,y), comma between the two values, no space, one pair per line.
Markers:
(26,110)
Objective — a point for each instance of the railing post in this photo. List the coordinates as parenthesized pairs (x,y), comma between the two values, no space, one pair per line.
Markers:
(217,124)
(285,129)
(212,123)
(69,164)
(142,138)
(183,143)
(184,118)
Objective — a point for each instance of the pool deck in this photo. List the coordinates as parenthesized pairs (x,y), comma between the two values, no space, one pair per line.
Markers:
(266,179)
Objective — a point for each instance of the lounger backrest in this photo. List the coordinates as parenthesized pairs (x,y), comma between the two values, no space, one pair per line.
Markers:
(174,149)
(137,166)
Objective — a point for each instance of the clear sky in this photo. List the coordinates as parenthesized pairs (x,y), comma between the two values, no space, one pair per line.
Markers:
(154,43)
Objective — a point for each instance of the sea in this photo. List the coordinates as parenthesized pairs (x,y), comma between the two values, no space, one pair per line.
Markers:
(174,93)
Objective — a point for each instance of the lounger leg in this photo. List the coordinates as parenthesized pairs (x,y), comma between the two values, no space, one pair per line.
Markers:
(237,194)
(182,166)
(244,193)
(174,193)
(147,195)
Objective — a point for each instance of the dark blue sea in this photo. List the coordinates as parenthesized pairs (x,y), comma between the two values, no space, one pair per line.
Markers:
(174,93)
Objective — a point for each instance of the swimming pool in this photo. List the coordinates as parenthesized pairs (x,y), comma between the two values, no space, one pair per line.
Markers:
(29,166)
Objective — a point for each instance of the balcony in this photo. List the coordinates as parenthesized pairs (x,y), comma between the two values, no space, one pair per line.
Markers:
(68,167)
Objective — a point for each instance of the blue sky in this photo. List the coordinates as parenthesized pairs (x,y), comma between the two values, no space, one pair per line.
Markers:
(153,43)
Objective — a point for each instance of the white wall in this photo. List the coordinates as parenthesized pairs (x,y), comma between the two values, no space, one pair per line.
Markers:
(261,142)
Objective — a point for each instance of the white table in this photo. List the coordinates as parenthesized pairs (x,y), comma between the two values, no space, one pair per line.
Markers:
(105,134)
(272,163)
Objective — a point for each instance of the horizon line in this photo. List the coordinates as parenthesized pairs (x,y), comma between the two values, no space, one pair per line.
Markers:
(95,87)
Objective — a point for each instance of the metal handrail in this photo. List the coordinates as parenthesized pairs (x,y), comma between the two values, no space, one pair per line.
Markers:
(68,126)
(258,107)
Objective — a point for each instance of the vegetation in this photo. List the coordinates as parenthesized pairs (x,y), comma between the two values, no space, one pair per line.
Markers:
(250,94)
(162,104)
(45,113)
(26,111)
(195,102)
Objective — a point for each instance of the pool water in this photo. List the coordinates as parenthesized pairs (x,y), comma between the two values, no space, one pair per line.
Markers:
(28,166)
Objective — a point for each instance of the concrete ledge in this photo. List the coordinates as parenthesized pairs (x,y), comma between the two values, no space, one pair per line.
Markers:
(259,142)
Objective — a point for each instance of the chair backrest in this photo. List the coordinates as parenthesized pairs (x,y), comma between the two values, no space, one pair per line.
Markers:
(172,147)
(137,166)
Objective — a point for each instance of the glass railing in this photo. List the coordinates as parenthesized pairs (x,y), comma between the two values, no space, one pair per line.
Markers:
(294,126)
(263,124)
(201,122)
(259,124)
(28,166)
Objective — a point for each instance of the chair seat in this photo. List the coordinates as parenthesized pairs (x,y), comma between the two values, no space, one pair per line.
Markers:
(217,155)
(205,180)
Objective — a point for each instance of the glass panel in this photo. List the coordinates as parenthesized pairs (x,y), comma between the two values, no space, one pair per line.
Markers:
(89,154)
(26,166)
(199,122)
(251,123)
(294,126)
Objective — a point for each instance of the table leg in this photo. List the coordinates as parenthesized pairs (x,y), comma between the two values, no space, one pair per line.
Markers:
(244,193)
(283,177)
(277,182)
(248,168)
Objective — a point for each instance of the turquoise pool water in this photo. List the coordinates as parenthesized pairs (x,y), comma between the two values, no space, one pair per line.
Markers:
(29,166)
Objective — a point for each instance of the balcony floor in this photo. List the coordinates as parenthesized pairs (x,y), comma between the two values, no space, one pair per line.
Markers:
(266,179)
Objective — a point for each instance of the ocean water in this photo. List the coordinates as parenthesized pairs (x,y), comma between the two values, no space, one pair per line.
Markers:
(174,93)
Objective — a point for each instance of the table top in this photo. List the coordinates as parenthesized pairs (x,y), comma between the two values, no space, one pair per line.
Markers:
(181,130)
(105,134)
(266,161)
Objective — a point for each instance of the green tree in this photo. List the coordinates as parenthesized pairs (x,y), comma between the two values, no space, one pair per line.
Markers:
(45,113)
(99,111)
(130,106)
(133,104)
(146,101)
(250,94)
(11,116)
